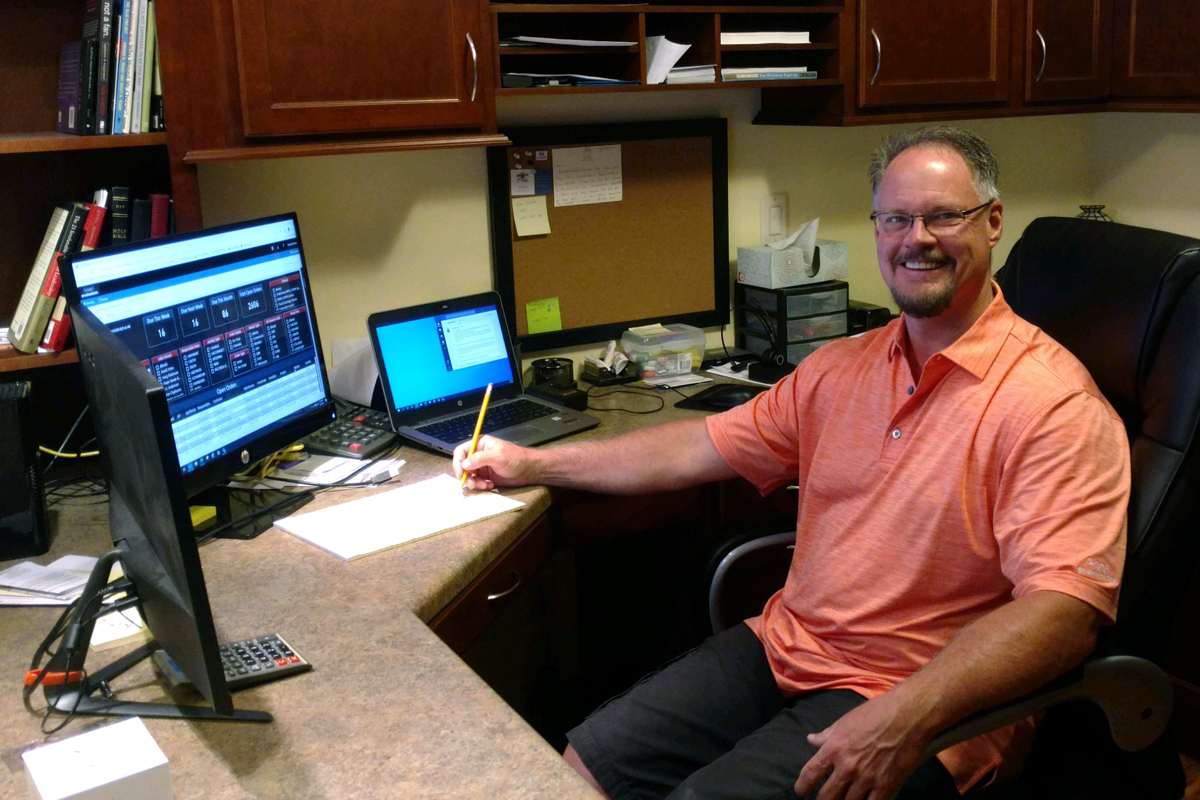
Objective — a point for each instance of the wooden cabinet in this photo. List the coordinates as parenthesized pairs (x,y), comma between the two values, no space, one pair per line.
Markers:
(40,168)
(1155,51)
(309,68)
(1067,48)
(932,53)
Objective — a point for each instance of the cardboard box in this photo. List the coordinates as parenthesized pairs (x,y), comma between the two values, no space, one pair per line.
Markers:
(773,269)
(119,760)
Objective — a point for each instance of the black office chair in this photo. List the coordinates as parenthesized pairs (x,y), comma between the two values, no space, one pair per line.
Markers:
(1126,302)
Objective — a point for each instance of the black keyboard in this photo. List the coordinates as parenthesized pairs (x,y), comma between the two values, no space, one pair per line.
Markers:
(258,660)
(505,415)
(358,432)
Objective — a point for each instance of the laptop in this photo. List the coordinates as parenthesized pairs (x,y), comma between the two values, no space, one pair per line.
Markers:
(435,362)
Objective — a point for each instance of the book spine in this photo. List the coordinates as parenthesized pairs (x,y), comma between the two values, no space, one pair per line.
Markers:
(795,75)
(119,209)
(24,317)
(139,74)
(160,210)
(148,66)
(58,327)
(127,62)
(139,227)
(43,301)
(158,122)
(118,90)
(68,88)
(89,66)
(92,227)
(104,65)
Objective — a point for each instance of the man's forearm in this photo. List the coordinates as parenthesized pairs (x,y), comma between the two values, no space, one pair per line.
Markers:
(671,456)
(999,657)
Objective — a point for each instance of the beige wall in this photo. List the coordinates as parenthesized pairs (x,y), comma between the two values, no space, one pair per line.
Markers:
(387,230)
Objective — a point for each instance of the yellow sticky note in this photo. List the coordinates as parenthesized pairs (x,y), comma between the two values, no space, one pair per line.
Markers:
(542,315)
(529,215)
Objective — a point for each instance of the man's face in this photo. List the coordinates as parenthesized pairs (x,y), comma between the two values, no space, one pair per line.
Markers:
(927,272)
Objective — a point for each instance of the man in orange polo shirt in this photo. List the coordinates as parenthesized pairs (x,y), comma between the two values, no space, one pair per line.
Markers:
(960,532)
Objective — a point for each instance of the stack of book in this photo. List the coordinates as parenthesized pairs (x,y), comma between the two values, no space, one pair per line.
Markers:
(41,322)
(701,73)
(764,37)
(732,74)
(109,81)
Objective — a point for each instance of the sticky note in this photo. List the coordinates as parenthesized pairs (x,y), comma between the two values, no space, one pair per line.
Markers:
(542,316)
(529,216)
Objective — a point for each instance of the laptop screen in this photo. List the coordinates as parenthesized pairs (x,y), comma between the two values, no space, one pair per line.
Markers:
(222,319)
(444,356)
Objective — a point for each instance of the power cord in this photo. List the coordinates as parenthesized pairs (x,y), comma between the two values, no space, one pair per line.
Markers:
(591,393)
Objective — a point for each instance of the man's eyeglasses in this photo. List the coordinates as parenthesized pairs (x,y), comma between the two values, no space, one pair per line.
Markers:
(944,220)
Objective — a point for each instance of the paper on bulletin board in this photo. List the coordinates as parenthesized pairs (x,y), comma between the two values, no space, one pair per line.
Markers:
(584,175)
(530,217)
(521,182)
(543,316)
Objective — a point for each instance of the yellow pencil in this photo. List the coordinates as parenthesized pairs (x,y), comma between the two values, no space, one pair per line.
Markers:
(478,427)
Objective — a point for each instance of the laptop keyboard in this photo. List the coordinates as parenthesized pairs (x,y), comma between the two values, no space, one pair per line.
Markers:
(460,428)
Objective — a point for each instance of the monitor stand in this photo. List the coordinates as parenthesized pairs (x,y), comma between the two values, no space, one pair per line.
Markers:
(245,513)
(77,697)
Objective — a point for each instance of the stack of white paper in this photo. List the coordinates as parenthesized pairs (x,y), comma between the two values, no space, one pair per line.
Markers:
(31,584)
(701,73)
(764,37)
(661,55)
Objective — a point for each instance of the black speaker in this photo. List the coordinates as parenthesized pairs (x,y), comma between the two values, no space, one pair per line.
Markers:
(23,530)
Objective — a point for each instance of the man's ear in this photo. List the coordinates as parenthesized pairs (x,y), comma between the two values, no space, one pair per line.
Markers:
(995,223)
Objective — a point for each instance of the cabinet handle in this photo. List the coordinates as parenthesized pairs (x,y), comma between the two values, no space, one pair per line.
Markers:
(1041,69)
(878,55)
(475,66)
(516,582)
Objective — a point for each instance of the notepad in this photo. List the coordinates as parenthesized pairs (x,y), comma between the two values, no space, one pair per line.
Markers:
(361,527)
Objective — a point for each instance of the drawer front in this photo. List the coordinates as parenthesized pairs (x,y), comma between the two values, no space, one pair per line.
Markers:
(477,606)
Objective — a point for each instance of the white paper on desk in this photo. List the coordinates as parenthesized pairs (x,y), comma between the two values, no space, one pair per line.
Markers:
(30,578)
(726,371)
(324,471)
(662,54)
(691,379)
(354,372)
(584,175)
(118,627)
(375,523)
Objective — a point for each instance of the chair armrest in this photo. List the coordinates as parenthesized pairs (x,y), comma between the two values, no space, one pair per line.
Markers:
(783,543)
(1134,694)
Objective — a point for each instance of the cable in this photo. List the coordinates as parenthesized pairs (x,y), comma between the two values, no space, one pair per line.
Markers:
(661,402)
(57,454)
(62,447)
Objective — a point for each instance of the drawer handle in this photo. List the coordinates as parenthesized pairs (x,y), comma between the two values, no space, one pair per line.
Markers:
(1042,69)
(475,66)
(516,582)
(878,55)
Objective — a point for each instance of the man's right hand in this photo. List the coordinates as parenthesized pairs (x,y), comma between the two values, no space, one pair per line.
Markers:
(495,463)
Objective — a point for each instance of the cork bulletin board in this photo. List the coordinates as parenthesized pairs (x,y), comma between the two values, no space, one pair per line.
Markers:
(599,227)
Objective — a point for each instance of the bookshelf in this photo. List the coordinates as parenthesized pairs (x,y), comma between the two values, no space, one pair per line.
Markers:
(699,26)
(40,167)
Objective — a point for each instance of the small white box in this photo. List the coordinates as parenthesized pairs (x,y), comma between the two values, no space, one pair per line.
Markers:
(659,351)
(774,269)
(117,761)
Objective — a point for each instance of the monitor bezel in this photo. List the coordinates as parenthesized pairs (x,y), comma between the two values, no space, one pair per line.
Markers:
(222,468)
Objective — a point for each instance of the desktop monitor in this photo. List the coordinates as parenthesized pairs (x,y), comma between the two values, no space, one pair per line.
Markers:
(223,319)
(152,532)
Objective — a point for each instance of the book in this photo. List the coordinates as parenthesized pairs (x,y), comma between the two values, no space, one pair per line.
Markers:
(41,289)
(797,74)
(160,212)
(59,325)
(157,121)
(104,67)
(68,88)
(764,37)
(138,53)
(89,66)
(93,223)
(119,209)
(121,36)
(139,225)
(147,71)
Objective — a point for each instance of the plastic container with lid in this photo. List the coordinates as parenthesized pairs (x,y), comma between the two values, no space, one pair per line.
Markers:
(662,350)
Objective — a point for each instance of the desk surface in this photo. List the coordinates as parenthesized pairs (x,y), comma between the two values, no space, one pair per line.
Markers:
(388,710)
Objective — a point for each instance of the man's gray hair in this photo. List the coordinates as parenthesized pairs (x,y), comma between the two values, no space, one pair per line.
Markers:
(980,158)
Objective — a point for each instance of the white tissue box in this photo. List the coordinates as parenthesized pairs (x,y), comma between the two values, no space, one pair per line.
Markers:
(773,269)
(120,760)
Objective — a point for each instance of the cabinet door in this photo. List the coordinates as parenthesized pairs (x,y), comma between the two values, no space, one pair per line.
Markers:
(926,53)
(1154,47)
(1067,44)
(309,67)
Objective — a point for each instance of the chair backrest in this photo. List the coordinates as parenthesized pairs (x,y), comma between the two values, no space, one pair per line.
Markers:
(1126,302)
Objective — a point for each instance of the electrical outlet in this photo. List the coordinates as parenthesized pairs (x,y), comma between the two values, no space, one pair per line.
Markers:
(773,217)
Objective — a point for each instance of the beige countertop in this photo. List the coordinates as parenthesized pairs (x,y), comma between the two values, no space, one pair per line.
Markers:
(389,711)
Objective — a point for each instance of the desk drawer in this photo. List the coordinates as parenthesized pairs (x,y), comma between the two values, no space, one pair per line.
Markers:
(477,606)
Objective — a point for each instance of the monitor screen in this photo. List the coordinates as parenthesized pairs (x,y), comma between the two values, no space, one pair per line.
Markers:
(223,319)
(444,356)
